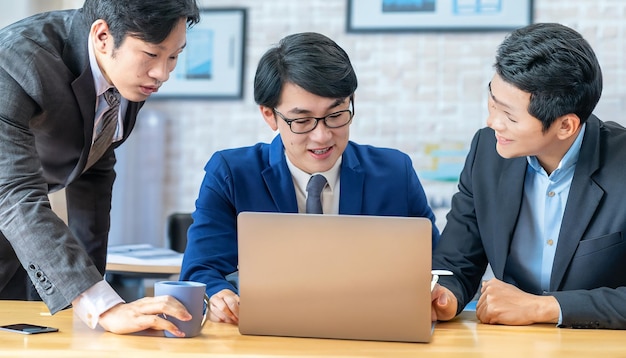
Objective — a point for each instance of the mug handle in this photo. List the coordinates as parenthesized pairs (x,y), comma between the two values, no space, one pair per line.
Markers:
(206,309)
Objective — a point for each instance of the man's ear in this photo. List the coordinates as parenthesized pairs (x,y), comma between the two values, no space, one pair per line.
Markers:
(269,117)
(569,125)
(101,35)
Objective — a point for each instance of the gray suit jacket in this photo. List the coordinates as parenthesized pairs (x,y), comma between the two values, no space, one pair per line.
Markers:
(47,107)
(588,274)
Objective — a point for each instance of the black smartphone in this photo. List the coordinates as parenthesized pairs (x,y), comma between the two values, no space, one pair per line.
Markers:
(25,328)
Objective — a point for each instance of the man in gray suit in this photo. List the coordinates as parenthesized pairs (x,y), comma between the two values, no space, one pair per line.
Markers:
(59,124)
(541,196)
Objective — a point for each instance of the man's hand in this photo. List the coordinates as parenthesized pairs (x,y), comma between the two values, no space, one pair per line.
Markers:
(444,304)
(224,307)
(143,314)
(503,303)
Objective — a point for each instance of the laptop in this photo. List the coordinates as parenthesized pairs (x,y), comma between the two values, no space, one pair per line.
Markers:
(335,276)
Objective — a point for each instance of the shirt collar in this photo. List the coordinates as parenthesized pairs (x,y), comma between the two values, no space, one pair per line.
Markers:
(569,159)
(301,178)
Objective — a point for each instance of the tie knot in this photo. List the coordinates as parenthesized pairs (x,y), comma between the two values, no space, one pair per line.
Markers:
(316,184)
(112,96)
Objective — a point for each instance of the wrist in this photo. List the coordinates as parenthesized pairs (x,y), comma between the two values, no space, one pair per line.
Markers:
(548,310)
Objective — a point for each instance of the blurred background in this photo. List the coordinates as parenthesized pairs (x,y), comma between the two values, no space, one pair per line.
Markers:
(423,92)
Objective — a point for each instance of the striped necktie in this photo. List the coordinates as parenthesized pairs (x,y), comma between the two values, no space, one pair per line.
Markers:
(105,128)
(314,192)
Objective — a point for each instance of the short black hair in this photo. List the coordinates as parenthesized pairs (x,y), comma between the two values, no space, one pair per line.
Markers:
(309,60)
(556,65)
(148,20)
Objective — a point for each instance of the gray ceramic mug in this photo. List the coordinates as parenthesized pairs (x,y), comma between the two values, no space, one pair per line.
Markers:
(193,296)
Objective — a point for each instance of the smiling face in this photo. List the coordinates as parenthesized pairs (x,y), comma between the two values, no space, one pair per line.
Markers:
(315,151)
(137,68)
(519,134)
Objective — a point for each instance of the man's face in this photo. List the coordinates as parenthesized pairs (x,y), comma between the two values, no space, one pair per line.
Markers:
(517,132)
(315,151)
(137,68)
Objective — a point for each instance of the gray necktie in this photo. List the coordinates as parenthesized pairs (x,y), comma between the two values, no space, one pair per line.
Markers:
(314,193)
(106,127)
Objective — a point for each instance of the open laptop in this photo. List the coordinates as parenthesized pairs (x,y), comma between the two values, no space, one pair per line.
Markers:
(335,276)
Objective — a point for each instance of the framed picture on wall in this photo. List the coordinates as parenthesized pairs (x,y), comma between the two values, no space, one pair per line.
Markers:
(211,65)
(438,15)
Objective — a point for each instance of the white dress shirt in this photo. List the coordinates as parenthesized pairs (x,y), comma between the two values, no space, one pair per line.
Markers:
(330,193)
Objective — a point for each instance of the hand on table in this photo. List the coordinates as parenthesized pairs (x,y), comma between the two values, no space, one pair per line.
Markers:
(224,307)
(144,314)
(503,303)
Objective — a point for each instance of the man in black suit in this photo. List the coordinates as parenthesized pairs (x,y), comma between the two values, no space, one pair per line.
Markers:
(541,196)
(71,84)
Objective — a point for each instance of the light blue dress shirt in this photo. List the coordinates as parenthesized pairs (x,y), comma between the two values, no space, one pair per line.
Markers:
(537,232)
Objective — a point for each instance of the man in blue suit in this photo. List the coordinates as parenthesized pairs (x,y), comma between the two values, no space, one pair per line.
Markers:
(305,90)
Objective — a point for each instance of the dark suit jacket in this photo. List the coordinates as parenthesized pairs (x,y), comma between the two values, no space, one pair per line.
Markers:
(374,181)
(588,274)
(47,107)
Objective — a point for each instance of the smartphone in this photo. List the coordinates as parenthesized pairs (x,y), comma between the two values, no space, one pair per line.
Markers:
(26,328)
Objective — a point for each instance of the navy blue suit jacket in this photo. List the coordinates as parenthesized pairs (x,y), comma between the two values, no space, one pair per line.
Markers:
(374,181)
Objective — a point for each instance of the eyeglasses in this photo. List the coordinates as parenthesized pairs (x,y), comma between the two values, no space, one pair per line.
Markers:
(307,124)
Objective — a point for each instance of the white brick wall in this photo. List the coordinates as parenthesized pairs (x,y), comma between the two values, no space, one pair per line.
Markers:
(415,90)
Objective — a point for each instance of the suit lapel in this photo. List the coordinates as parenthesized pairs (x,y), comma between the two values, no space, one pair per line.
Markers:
(76,56)
(278,179)
(508,199)
(352,179)
(85,94)
(583,200)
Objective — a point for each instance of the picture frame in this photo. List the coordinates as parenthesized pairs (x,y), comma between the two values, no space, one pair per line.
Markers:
(437,15)
(211,66)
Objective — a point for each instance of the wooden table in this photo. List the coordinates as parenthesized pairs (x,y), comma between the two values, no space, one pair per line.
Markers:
(462,337)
